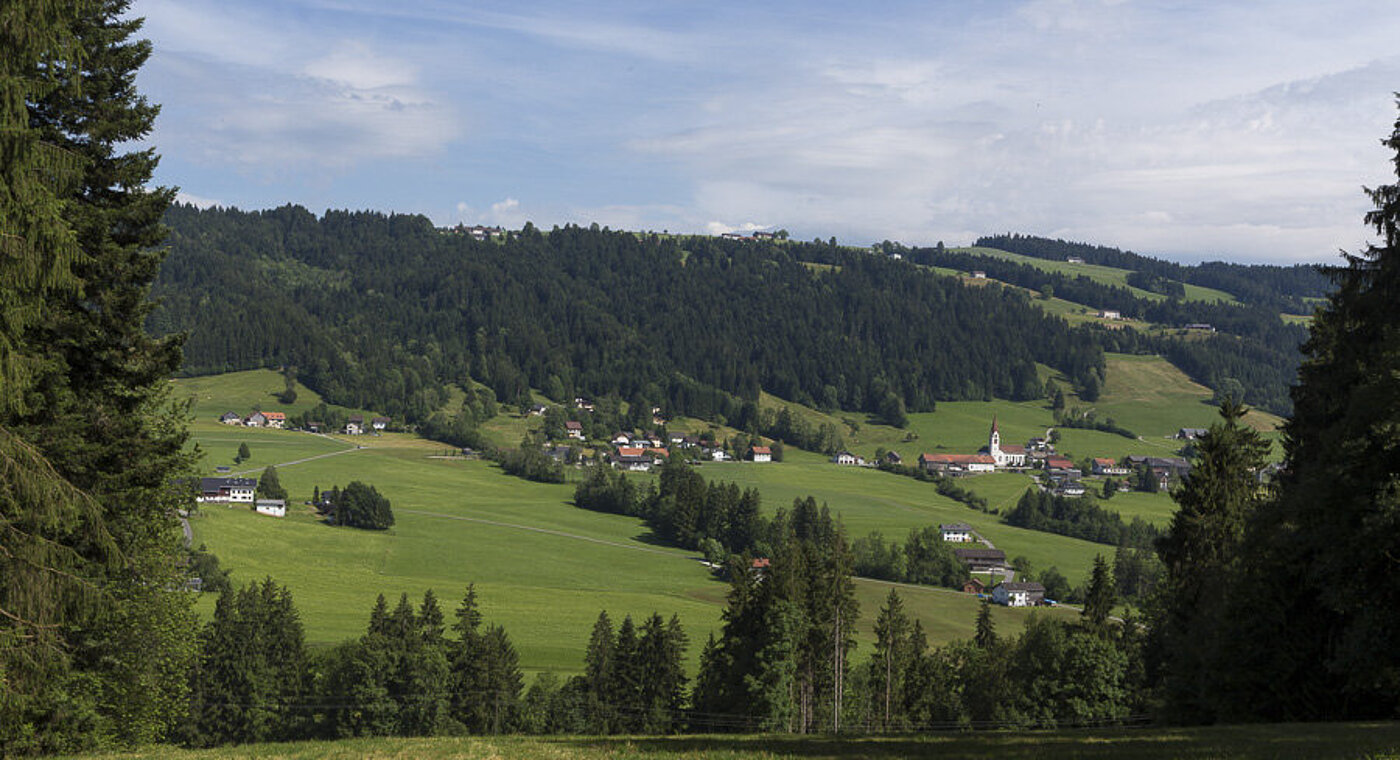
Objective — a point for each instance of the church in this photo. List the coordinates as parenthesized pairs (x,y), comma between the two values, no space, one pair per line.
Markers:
(1009,455)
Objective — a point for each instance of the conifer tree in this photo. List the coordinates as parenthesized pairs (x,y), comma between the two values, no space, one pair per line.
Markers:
(600,666)
(892,657)
(986,636)
(1099,599)
(269,486)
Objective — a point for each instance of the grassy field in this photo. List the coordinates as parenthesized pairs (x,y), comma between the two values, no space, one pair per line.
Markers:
(1300,741)
(543,568)
(1101,274)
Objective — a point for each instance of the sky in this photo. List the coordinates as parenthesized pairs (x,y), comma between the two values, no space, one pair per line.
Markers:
(1241,131)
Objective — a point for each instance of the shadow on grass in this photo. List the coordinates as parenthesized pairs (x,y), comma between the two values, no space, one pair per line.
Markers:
(1288,741)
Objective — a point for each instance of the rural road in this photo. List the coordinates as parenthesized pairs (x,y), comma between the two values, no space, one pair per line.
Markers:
(280,465)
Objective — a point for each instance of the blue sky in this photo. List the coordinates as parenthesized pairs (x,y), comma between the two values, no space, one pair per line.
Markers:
(1239,131)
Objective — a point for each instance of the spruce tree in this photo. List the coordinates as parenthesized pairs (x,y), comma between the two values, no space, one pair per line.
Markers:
(891,658)
(1322,556)
(986,635)
(1099,600)
(600,666)
(269,486)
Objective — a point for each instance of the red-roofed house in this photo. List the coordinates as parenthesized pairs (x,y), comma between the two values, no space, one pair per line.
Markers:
(275,419)
(1104,466)
(958,463)
(761,454)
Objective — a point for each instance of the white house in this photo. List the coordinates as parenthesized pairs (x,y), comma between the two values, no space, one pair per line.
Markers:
(256,419)
(230,418)
(844,457)
(720,455)
(275,419)
(1072,488)
(1015,594)
(1110,314)
(956,533)
(379,423)
(1104,466)
(227,490)
(271,507)
(574,430)
(1074,260)
(355,425)
(979,275)
(761,454)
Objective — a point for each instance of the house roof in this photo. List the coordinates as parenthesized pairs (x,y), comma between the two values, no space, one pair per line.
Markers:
(958,458)
(572,425)
(381,419)
(955,526)
(629,451)
(762,450)
(209,485)
(760,563)
(229,415)
(275,415)
(358,419)
(1061,462)
(965,554)
(1012,448)
(1030,586)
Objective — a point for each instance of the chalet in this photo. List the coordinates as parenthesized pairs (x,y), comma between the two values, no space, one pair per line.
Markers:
(974,586)
(379,423)
(1039,444)
(276,419)
(621,439)
(271,507)
(761,454)
(956,533)
(982,560)
(957,463)
(1071,488)
(765,236)
(583,403)
(1177,466)
(657,418)
(1074,260)
(574,430)
(719,455)
(1103,466)
(538,410)
(1014,594)
(230,418)
(893,458)
(1191,434)
(632,459)
(732,236)
(256,419)
(355,425)
(313,426)
(227,490)
(1110,314)
(676,439)
(979,275)
(845,457)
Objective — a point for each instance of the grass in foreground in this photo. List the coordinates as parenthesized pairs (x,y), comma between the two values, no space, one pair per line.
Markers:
(1294,740)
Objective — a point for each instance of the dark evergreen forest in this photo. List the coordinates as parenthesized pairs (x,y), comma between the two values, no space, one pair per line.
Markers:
(383,311)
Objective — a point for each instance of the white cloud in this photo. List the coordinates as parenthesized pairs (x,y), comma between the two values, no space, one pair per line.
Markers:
(196,200)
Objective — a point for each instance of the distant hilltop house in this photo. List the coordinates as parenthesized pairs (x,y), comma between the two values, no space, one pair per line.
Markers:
(538,410)
(982,560)
(1015,594)
(1110,314)
(955,533)
(1191,434)
(227,490)
(1201,326)
(271,507)
(1074,260)
(477,232)
(583,403)
(979,275)
(761,454)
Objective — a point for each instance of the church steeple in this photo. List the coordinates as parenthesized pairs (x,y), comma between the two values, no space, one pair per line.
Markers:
(994,439)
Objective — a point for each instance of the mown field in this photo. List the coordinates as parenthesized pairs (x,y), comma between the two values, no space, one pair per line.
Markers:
(544,568)
(1283,741)
(1100,274)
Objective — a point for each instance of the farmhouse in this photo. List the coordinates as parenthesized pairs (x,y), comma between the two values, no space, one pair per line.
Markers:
(379,423)
(355,425)
(271,507)
(230,418)
(1074,260)
(574,429)
(846,457)
(1103,466)
(275,419)
(979,275)
(1071,488)
(982,560)
(227,490)
(974,586)
(893,458)
(1110,314)
(1014,594)
(632,459)
(256,419)
(761,454)
(957,533)
(957,463)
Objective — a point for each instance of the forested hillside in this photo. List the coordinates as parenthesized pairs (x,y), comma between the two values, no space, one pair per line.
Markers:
(385,311)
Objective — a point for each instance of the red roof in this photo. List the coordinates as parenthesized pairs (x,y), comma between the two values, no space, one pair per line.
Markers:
(1063,463)
(762,450)
(1105,462)
(1013,449)
(571,425)
(629,451)
(760,563)
(275,415)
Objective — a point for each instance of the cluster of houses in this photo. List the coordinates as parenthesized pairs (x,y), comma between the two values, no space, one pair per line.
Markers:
(477,232)
(235,491)
(354,424)
(754,236)
(256,419)
(994,456)
(1007,593)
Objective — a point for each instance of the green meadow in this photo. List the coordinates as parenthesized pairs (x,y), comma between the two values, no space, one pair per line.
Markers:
(544,568)
(1100,274)
(1292,741)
